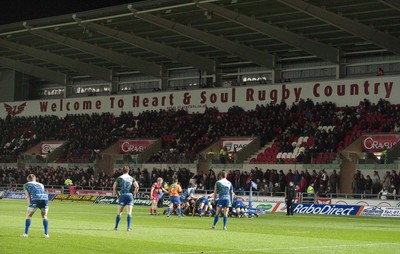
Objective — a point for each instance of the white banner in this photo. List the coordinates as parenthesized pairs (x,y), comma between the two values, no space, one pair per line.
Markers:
(268,207)
(265,199)
(48,147)
(342,92)
(381,211)
(235,144)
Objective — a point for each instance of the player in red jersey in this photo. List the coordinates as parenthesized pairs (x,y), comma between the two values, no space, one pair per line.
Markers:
(156,189)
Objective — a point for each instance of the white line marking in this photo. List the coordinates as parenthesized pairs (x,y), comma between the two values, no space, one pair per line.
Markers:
(284,248)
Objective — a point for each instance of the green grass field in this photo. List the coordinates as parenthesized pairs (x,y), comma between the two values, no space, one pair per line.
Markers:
(88,228)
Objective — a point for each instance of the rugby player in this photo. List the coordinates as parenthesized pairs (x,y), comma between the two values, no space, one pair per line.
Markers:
(156,189)
(224,190)
(37,198)
(125,197)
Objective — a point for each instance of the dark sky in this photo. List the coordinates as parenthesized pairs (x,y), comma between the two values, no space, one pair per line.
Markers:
(22,10)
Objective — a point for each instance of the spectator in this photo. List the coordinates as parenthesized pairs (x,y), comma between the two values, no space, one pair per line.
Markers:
(376,183)
(333,182)
(310,192)
(380,72)
(368,187)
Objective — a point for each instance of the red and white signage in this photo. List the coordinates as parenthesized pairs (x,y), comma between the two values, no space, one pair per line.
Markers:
(94,192)
(343,92)
(235,144)
(48,147)
(54,191)
(378,143)
(135,146)
(323,201)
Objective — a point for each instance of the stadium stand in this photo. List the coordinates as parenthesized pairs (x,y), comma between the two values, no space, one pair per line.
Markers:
(301,133)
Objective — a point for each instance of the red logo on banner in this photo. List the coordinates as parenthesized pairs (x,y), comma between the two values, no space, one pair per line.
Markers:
(378,143)
(134,146)
(323,201)
(15,110)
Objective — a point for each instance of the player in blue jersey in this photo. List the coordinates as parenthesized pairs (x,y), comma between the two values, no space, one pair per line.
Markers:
(125,197)
(201,205)
(223,193)
(37,198)
(187,196)
(239,206)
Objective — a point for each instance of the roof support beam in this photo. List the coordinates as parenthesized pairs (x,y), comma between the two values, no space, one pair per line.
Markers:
(72,64)
(395,4)
(35,71)
(313,47)
(132,63)
(199,62)
(377,37)
(256,56)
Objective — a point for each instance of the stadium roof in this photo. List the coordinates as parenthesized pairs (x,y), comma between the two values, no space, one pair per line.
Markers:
(152,36)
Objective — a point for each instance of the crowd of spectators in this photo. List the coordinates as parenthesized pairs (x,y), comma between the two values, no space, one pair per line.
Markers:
(184,135)
(269,182)
(56,176)
(390,183)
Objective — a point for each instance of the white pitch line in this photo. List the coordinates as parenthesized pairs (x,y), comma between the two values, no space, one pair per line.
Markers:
(284,248)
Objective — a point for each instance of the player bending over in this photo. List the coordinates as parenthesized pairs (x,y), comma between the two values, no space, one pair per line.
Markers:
(223,188)
(37,198)
(202,205)
(239,208)
(125,197)
(187,196)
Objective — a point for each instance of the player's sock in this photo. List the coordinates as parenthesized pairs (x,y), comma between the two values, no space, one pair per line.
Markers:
(151,211)
(225,220)
(46,226)
(215,220)
(169,211)
(179,212)
(241,213)
(129,220)
(117,220)
(27,225)
(200,211)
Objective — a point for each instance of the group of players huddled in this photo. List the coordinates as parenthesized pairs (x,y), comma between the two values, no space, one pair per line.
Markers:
(190,204)
(182,203)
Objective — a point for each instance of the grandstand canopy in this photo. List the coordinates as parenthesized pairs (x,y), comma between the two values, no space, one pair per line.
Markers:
(151,37)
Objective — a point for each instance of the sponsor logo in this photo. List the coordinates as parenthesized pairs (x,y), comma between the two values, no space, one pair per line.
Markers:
(134,146)
(326,209)
(54,191)
(50,147)
(147,202)
(106,200)
(378,143)
(15,195)
(372,211)
(95,193)
(235,145)
(265,206)
(66,197)
(391,212)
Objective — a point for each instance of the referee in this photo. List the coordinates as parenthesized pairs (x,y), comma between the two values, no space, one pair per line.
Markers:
(289,198)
